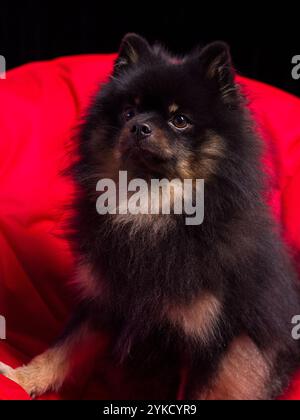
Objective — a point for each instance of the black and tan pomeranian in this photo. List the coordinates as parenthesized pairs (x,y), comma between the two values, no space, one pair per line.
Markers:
(208,306)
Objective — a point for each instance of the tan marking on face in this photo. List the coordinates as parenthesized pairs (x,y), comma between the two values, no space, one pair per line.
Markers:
(204,163)
(165,146)
(213,146)
(173,108)
(244,374)
(185,165)
(137,101)
(199,319)
(161,142)
(211,151)
(48,371)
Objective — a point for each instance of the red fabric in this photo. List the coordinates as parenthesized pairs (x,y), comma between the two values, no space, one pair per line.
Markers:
(40,104)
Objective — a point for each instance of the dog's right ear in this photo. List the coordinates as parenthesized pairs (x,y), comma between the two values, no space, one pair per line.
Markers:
(133,49)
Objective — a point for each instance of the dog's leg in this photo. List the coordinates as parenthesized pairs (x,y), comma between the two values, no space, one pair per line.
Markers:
(243,374)
(48,371)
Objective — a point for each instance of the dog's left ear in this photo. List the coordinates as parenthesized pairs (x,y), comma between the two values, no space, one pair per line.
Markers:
(216,65)
(133,49)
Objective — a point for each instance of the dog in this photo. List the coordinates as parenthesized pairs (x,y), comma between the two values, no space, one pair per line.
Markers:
(213,301)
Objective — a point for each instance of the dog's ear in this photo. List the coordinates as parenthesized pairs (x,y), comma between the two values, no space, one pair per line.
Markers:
(133,49)
(216,66)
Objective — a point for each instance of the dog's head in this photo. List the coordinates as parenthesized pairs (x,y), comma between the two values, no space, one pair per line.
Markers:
(166,117)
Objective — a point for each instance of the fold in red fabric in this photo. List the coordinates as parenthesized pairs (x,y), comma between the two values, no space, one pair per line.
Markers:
(40,104)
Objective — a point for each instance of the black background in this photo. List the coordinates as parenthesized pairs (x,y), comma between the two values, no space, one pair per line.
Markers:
(263,39)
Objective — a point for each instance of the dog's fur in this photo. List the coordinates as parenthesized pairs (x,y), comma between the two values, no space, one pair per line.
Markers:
(216,299)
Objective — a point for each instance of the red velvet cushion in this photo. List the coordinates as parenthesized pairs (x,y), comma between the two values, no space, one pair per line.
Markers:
(39,106)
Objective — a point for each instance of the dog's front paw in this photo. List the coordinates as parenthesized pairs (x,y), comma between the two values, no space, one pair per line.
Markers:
(24,377)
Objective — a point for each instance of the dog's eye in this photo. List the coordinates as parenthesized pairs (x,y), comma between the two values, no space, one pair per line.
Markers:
(129,113)
(180,121)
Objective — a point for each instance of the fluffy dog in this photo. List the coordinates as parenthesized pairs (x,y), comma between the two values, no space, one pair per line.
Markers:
(215,300)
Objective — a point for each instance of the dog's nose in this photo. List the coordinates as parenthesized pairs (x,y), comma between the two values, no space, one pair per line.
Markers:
(141,130)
